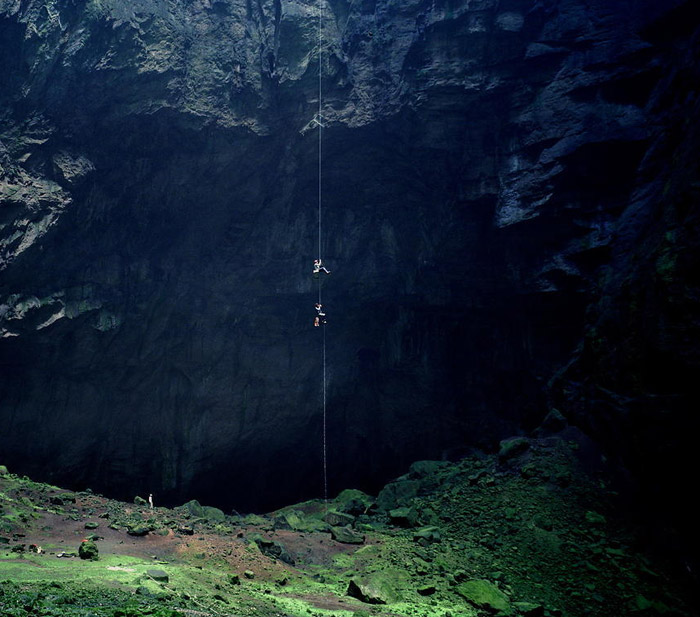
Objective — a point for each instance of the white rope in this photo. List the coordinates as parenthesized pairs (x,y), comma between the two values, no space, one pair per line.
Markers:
(325,448)
(320,232)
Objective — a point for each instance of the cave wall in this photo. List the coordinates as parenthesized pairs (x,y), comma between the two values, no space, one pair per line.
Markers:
(489,168)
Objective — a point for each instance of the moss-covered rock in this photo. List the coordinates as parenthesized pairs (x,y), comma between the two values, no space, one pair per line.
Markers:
(510,448)
(213,514)
(272,548)
(338,519)
(396,494)
(88,550)
(375,588)
(347,535)
(353,502)
(158,575)
(485,595)
(404,517)
(138,529)
(191,508)
(427,535)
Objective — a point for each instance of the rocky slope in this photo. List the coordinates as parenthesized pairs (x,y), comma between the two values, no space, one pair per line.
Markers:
(535,531)
(508,186)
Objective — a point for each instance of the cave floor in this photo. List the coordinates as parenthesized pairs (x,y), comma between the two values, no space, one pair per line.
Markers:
(534,530)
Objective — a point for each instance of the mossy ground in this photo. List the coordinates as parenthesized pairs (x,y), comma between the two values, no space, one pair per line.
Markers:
(539,525)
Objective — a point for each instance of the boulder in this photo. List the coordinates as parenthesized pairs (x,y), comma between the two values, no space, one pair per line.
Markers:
(427,535)
(192,508)
(338,519)
(213,514)
(374,588)
(529,609)
(510,448)
(272,548)
(347,535)
(485,595)
(404,517)
(397,494)
(353,502)
(138,530)
(88,550)
(158,575)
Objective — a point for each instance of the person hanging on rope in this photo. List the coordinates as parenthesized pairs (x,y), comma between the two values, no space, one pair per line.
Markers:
(321,317)
(319,267)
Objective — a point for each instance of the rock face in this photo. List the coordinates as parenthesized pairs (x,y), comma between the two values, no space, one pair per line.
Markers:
(505,184)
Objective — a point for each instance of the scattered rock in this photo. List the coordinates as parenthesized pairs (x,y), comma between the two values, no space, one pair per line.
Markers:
(192,508)
(529,609)
(88,550)
(347,535)
(249,574)
(404,517)
(426,590)
(374,588)
(397,494)
(353,502)
(338,519)
(272,548)
(3,470)
(485,595)
(140,501)
(138,530)
(510,448)
(213,514)
(427,535)
(158,575)
(91,525)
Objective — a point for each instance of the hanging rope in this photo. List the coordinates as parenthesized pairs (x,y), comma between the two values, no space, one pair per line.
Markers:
(320,232)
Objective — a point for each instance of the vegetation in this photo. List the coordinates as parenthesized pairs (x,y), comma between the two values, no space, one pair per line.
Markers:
(527,531)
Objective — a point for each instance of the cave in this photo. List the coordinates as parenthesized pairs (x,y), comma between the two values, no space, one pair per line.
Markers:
(506,194)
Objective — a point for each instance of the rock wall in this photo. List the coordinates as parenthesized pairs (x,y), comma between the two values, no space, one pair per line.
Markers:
(490,170)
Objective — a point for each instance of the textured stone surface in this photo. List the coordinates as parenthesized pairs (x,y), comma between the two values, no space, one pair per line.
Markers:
(506,184)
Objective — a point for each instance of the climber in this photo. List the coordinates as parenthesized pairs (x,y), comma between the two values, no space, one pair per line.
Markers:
(319,309)
(319,320)
(319,267)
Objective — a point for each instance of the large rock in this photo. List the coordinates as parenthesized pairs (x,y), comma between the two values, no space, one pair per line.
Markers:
(396,494)
(375,588)
(272,548)
(485,595)
(347,535)
(338,519)
(88,550)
